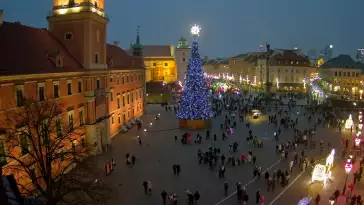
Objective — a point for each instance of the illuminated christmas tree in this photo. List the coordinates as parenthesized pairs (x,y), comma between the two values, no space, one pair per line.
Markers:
(195,101)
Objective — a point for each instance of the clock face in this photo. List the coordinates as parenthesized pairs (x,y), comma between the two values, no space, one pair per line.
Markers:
(195,30)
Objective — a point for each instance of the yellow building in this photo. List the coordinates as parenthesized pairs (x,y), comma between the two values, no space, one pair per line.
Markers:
(159,61)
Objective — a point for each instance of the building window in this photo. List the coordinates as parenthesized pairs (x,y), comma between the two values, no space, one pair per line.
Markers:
(353,74)
(335,73)
(132,97)
(81,116)
(154,64)
(96,58)
(111,96)
(122,80)
(128,113)
(123,100)
(127,79)
(112,120)
(128,98)
(349,74)
(98,84)
(119,100)
(119,119)
(344,73)
(19,92)
(339,73)
(111,79)
(41,92)
(165,64)
(79,85)
(24,145)
(117,80)
(70,120)
(55,90)
(124,117)
(183,59)
(68,36)
(69,88)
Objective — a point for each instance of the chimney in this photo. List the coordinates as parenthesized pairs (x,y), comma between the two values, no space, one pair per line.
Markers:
(1,17)
(116,43)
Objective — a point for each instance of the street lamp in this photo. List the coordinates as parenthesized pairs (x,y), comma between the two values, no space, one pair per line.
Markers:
(361,94)
(348,167)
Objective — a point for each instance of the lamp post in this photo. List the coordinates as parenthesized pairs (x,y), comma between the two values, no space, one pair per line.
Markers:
(348,167)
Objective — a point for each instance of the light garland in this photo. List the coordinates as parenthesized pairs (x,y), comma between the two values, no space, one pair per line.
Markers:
(195,103)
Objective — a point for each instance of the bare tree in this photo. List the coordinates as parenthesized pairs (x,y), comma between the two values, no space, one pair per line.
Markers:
(41,151)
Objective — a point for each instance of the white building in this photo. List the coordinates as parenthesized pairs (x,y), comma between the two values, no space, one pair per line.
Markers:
(182,55)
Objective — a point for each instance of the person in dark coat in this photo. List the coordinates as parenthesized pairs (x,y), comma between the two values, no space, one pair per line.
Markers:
(178,167)
(196,195)
(145,185)
(226,187)
(164,197)
(257,197)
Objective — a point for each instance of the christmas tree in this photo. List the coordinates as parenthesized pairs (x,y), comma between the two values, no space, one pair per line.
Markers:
(195,101)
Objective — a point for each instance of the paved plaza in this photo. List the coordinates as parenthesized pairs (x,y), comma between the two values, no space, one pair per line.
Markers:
(159,151)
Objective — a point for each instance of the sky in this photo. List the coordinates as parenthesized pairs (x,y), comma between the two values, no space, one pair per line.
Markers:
(229,27)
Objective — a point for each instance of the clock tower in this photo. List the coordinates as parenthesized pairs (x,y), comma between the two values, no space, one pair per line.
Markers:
(81,26)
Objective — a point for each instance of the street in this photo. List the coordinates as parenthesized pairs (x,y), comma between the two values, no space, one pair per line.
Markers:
(159,151)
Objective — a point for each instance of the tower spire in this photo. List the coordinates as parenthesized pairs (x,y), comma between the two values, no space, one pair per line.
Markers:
(138,38)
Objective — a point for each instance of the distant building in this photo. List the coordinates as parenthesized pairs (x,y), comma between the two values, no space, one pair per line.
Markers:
(290,68)
(216,66)
(342,74)
(360,55)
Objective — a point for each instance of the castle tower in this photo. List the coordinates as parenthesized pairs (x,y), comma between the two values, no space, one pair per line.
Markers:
(81,26)
(138,47)
(182,55)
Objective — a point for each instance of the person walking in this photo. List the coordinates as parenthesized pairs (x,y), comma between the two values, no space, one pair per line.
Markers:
(145,185)
(257,197)
(149,187)
(164,197)
(196,195)
(317,199)
(226,188)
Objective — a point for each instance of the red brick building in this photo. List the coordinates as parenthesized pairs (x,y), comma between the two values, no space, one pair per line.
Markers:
(100,86)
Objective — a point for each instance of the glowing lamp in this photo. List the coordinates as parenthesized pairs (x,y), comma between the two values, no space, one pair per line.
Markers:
(145,130)
(159,114)
(348,167)
(357,141)
(151,124)
(360,126)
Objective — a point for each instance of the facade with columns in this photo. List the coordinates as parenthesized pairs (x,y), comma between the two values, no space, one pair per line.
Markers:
(99,86)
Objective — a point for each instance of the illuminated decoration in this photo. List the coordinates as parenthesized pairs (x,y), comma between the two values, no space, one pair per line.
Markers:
(232,77)
(195,30)
(240,79)
(349,123)
(277,80)
(360,126)
(223,75)
(320,62)
(247,79)
(330,159)
(361,94)
(320,173)
(348,166)
(304,83)
(255,80)
(180,84)
(331,46)
(357,141)
(195,103)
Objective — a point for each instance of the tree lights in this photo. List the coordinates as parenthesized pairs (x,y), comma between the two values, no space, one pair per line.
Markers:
(195,101)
